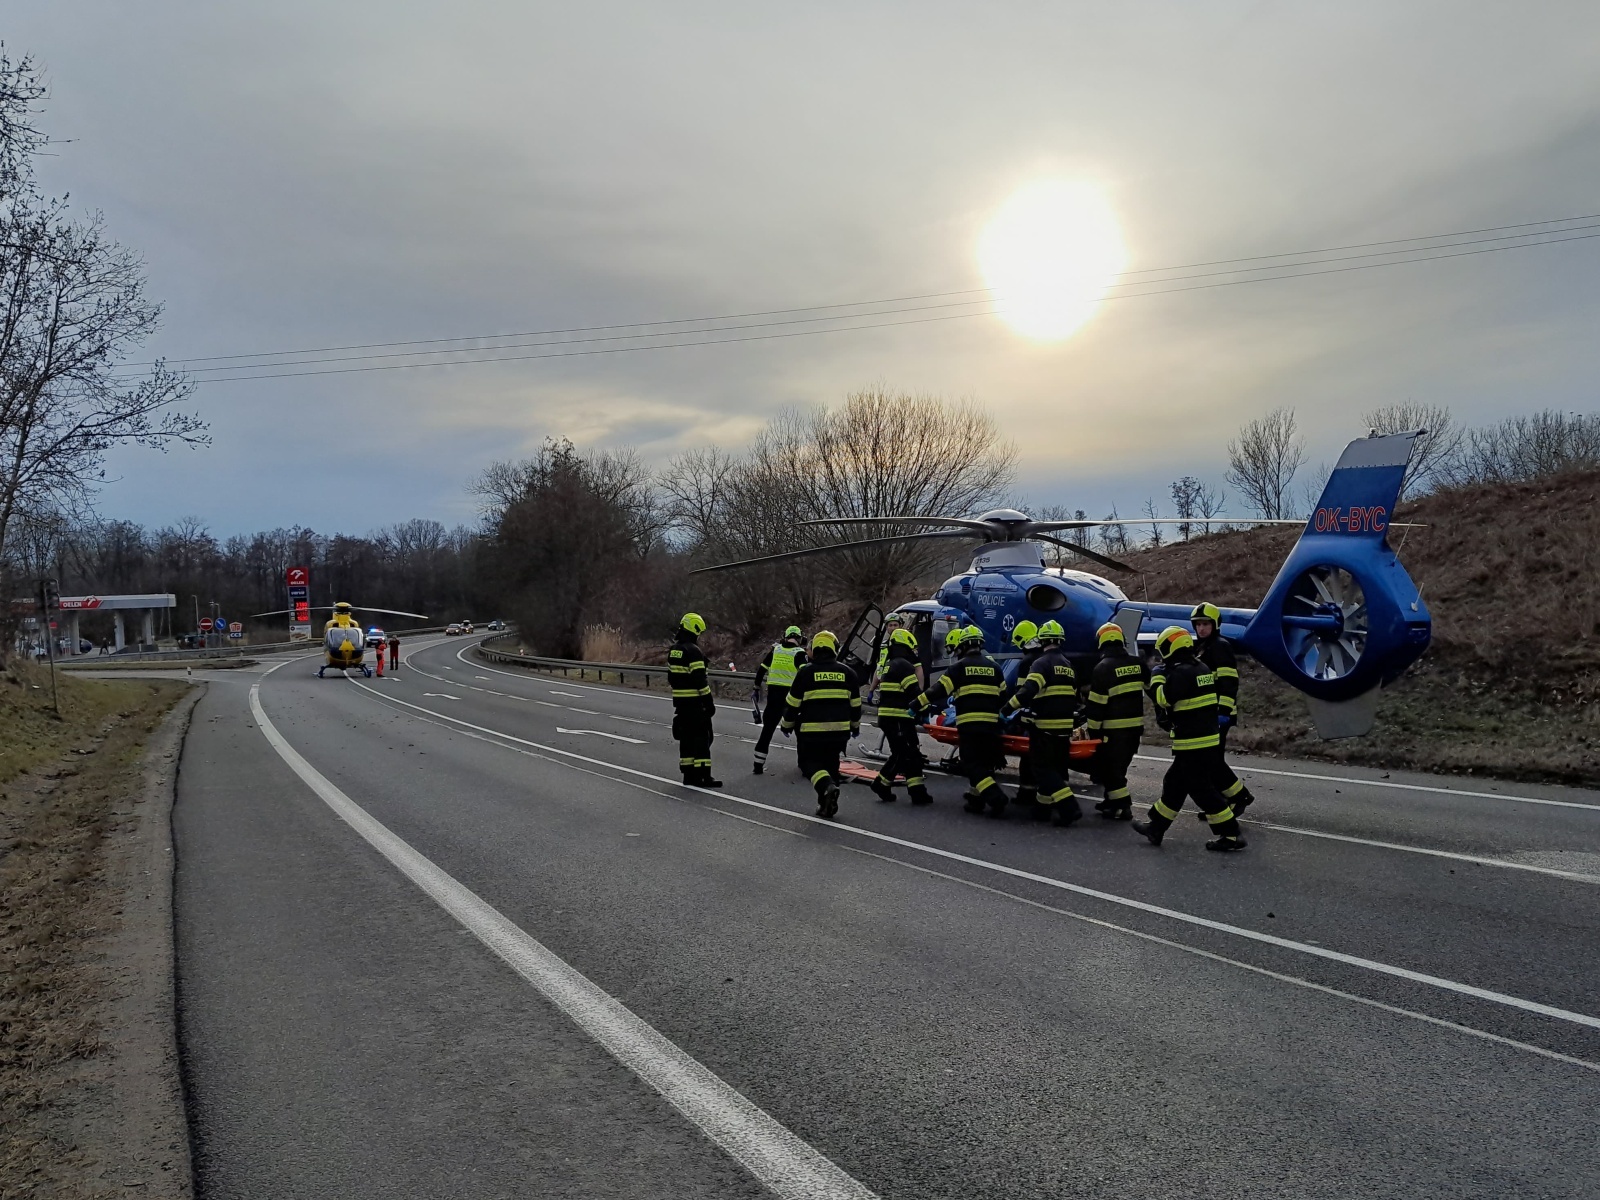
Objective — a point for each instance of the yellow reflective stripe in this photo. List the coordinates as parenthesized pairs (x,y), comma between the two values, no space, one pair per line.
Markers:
(1228,702)
(1196,743)
(978,689)
(1123,723)
(819,776)
(1035,678)
(1217,818)
(1053,722)
(1123,689)
(825,727)
(1226,673)
(827,694)
(1160,807)
(1094,726)
(1098,698)
(1161,694)
(1209,700)
(1120,793)
(1233,789)
(894,712)
(977,717)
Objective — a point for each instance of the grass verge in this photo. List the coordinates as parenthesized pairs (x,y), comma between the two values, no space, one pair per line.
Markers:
(67,786)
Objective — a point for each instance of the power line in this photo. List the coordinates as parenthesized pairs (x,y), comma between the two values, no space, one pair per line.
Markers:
(1327,270)
(655,325)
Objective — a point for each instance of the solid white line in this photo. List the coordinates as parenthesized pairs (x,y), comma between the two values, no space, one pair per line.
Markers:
(1385,783)
(777,1158)
(1578,876)
(590,687)
(616,737)
(1367,964)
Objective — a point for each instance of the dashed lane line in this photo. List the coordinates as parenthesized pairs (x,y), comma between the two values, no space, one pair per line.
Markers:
(780,1160)
(1352,960)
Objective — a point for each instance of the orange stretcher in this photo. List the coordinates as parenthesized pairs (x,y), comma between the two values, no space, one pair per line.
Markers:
(1012,742)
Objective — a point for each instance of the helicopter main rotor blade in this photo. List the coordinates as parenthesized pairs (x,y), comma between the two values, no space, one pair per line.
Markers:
(963,522)
(792,554)
(284,612)
(1086,552)
(390,612)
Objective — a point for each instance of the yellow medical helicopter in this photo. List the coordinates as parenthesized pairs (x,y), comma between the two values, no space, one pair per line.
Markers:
(344,642)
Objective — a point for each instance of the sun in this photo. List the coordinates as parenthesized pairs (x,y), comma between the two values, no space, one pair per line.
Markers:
(1049,254)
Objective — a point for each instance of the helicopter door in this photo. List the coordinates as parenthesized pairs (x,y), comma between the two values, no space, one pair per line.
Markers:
(860,649)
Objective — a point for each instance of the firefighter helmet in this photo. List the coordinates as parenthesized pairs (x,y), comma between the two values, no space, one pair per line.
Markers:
(1206,611)
(823,639)
(1174,638)
(1109,632)
(971,633)
(903,637)
(793,632)
(693,623)
(1024,633)
(1052,633)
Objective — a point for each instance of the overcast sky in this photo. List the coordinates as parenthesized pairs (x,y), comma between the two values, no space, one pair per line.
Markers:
(305,175)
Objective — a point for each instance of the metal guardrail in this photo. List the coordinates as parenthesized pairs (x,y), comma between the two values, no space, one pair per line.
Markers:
(599,671)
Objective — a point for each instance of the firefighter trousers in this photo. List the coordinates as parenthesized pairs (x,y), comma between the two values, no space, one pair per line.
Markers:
(1110,767)
(982,754)
(1051,755)
(905,755)
(1192,775)
(819,755)
(693,731)
(1229,784)
(777,701)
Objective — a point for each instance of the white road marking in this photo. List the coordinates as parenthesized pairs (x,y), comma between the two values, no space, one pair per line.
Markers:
(1307,948)
(1385,783)
(568,695)
(442,695)
(588,687)
(1451,854)
(616,737)
(777,1158)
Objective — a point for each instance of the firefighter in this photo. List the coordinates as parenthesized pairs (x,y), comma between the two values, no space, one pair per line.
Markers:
(1186,694)
(823,711)
(777,670)
(1116,716)
(1050,693)
(1025,638)
(1217,653)
(692,703)
(973,681)
(899,681)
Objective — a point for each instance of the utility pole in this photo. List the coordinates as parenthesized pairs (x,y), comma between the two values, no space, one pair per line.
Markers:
(49,599)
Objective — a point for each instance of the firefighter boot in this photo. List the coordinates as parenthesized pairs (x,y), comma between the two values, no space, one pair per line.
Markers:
(883,789)
(828,800)
(997,800)
(972,802)
(1227,843)
(1153,829)
(920,794)
(1067,811)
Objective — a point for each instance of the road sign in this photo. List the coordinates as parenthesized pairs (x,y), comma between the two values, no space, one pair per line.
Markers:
(235,628)
(205,624)
(233,634)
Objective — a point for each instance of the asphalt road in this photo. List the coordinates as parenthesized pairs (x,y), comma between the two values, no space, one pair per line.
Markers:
(1391,993)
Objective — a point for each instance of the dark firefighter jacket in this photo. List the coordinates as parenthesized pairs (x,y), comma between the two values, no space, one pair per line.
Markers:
(1187,693)
(897,687)
(686,671)
(1217,653)
(1050,692)
(974,682)
(825,697)
(1116,691)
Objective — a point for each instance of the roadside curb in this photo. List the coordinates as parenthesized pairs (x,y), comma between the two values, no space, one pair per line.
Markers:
(152,1130)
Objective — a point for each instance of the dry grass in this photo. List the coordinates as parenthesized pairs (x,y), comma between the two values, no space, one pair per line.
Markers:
(62,783)
(1509,687)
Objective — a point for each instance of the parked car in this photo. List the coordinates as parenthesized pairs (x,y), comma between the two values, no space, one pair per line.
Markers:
(452,630)
(376,638)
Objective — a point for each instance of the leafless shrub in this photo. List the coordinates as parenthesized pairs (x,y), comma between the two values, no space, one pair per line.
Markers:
(1263,459)
(1528,447)
(1436,453)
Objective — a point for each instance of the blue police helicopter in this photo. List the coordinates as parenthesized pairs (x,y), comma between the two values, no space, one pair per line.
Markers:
(1341,620)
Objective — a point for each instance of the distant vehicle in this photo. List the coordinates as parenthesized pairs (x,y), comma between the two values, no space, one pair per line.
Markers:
(495,625)
(452,630)
(466,627)
(376,638)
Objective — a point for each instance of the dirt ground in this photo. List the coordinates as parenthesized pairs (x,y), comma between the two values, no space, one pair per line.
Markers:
(89,1098)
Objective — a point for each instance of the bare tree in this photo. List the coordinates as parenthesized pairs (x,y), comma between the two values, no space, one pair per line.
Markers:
(73,305)
(1114,538)
(1186,502)
(1157,537)
(1263,459)
(1436,452)
(1532,446)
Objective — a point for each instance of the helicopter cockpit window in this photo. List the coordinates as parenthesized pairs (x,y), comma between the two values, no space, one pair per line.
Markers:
(1044,598)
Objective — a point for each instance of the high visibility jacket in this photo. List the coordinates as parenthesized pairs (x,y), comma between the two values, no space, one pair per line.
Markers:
(825,697)
(1187,692)
(1050,691)
(897,687)
(686,671)
(974,682)
(780,664)
(1217,653)
(1116,691)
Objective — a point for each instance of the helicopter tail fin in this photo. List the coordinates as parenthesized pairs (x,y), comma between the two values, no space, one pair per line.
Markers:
(1343,618)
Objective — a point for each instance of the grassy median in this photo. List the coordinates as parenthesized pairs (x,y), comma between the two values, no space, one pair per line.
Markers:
(65,783)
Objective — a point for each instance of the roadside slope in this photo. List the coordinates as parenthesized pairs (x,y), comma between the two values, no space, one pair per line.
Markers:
(1510,684)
